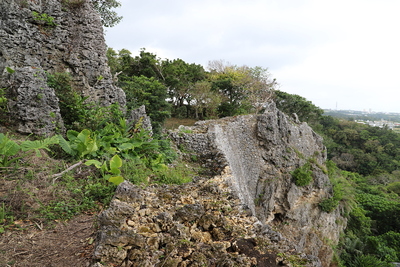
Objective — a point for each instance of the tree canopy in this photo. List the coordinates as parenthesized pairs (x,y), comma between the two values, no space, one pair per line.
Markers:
(109,17)
(193,92)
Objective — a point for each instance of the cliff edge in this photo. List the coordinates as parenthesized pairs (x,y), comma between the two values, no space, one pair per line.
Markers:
(251,213)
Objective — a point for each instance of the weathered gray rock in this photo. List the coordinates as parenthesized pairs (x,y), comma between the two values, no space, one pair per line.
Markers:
(31,47)
(250,214)
(195,224)
(139,117)
(261,152)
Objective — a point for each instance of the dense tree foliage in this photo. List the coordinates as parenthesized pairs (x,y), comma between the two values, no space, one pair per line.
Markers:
(304,109)
(243,89)
(372,154)
(193,92)
(109,17)
(141,90)
(360,148)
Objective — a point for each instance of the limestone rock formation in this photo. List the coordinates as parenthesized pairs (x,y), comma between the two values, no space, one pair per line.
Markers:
(51,36)
(250,213)
(138,117)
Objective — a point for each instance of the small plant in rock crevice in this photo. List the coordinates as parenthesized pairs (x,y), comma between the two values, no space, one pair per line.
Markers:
(3,98)
(303,175)
(44,19)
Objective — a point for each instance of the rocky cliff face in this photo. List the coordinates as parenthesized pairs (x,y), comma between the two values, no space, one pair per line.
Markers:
(51,36)
(251,213)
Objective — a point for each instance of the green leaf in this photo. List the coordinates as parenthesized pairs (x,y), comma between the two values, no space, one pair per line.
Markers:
(84,136)
(94,162)
(65,145)
(10,70)
(91,147)
(115,164)
(104,167)
(72,135)
(116,180)
(9,147)
(126,146)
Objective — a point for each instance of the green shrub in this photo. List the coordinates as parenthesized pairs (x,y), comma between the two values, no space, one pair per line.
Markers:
(303,175)
(363,260)
(394,187)
(328,204)
(74,197)
(71,104)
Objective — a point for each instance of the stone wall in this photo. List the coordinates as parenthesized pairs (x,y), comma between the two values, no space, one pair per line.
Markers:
(32,47)
(253,157)
(262,151)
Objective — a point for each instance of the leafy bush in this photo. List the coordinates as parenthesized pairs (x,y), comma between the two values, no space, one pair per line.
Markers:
(329,204)
(72,105)
(77,112)
(139,173)
(79,197)
(151,93)
(394,187)
(110,170)
(381,209)
(303,175)
(368,261)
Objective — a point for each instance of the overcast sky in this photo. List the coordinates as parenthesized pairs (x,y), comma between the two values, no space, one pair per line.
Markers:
(335,53)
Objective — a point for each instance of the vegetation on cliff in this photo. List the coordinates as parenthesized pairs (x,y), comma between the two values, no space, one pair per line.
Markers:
(364,168)
(364,161)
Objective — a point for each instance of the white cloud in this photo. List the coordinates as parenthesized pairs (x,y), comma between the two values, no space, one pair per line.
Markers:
(344,51)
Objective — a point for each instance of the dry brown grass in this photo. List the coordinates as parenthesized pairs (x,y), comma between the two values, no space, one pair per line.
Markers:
(174,123)
(26,237)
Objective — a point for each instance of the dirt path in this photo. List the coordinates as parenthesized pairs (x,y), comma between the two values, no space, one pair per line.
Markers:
(66,244)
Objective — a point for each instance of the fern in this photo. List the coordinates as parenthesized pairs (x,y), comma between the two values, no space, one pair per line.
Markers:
(39,144)
(8,148)
(65,145)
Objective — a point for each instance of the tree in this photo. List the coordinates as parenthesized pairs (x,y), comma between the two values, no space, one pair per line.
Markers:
(109,17)
(291,103)
(146,64)
(245,89)
(113,60)
(180,77)
(205,100)
(151,93)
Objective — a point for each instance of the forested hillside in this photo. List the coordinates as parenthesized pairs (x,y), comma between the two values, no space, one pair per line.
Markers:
(364,161)
(365,170)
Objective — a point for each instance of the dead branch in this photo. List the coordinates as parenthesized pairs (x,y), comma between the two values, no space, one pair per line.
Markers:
(57,175)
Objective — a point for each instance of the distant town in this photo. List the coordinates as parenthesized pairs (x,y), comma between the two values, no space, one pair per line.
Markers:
(375,119)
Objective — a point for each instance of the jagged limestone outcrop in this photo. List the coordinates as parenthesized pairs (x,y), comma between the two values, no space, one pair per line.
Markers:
(51,36)
(252,198)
